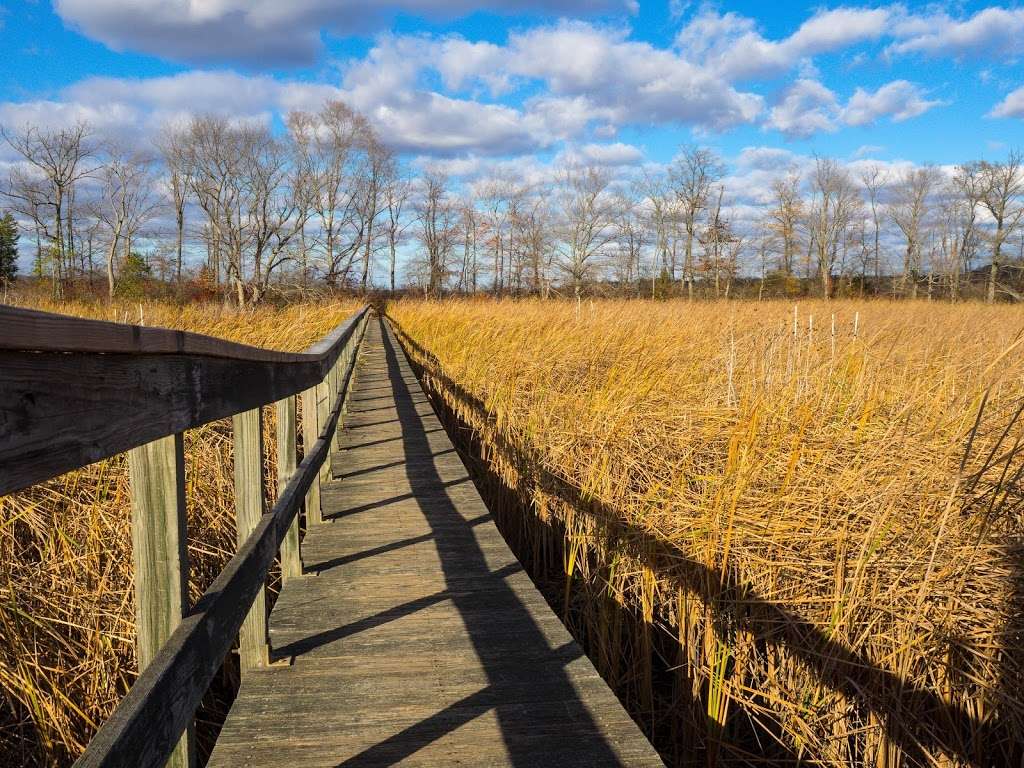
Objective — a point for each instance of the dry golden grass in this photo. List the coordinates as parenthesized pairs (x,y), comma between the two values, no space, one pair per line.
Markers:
(841,577)
(66,601)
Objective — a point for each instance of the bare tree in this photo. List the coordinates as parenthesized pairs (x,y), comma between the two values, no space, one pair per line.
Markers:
(874,178)
(173,149)
(27,196)
(497,195)
(275,200)
(90,237)
(834,203)
(630,237)
(721,246)
(127,201)
(330,145)
(469,225)
(1003,190)
(256,198)
(731,261)
(437,230)
(912,199)
(785,216)
(516,253)
(958,225)
(692,175)
(58,161)
(763,242)
(587,213)
(661,208)
(379,166)
(211,165)
(536,240)
(396,195)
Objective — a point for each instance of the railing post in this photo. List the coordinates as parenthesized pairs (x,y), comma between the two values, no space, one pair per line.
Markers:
(291,560)
(310,433)
(248,434)
(335,378)
(347,355)
(160,552)
(323,404)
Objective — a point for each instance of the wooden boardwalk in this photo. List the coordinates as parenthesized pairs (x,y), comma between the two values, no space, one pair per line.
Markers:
(414,637)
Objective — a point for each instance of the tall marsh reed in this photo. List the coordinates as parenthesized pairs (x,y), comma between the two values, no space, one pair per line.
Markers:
(67,629)
(789,534)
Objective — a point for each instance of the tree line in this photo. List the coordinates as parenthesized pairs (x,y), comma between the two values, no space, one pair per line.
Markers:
(243,210)
(673,231)
(243,206)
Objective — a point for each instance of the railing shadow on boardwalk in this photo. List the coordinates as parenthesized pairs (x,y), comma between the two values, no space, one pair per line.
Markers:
(917,720)
(453,534)
(461,557)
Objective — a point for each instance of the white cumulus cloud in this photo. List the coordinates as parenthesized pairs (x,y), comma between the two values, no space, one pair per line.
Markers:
(270,33)
(730,44)
(899,99)
(616,154)
(806,107)
(993,31)
(1011,106)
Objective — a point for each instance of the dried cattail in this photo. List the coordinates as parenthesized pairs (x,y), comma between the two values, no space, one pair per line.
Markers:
(810,514)
(66,608)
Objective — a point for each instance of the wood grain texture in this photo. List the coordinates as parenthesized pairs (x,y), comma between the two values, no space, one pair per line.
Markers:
(145,727)
(287,458)
(160,554)
(61,411)
(30,329)
(248,444)
(310,430)
(414,636)
(323,406)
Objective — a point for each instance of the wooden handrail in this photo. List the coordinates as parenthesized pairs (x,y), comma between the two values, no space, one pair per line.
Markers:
(75,391)
(33,330)
(144,729)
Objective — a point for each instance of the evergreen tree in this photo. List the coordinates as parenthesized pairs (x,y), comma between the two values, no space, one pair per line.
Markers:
(134,273)
(8,249)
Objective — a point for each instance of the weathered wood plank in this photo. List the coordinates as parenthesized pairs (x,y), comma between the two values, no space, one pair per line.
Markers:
(415,637)
(62,411)
(323,405)
(160,554)
(248,442)
(310,429)
(287,458)
(31,329)
(146,725)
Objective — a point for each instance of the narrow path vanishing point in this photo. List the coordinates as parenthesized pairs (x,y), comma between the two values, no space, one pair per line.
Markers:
(414,636)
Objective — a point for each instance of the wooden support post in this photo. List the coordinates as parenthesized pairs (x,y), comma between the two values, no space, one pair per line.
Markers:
(347,355)
(341,368)
(310,433)
(159,547)
(323,403)
(248,431)
(291,561)
(332,386)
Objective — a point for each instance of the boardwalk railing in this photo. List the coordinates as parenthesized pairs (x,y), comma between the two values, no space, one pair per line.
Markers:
(75,391)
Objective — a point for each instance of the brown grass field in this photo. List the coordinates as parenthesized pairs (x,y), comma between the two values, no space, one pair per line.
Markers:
(67,618)
(789,534)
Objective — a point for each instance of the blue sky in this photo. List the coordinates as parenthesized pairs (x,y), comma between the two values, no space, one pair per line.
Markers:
(471,87)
